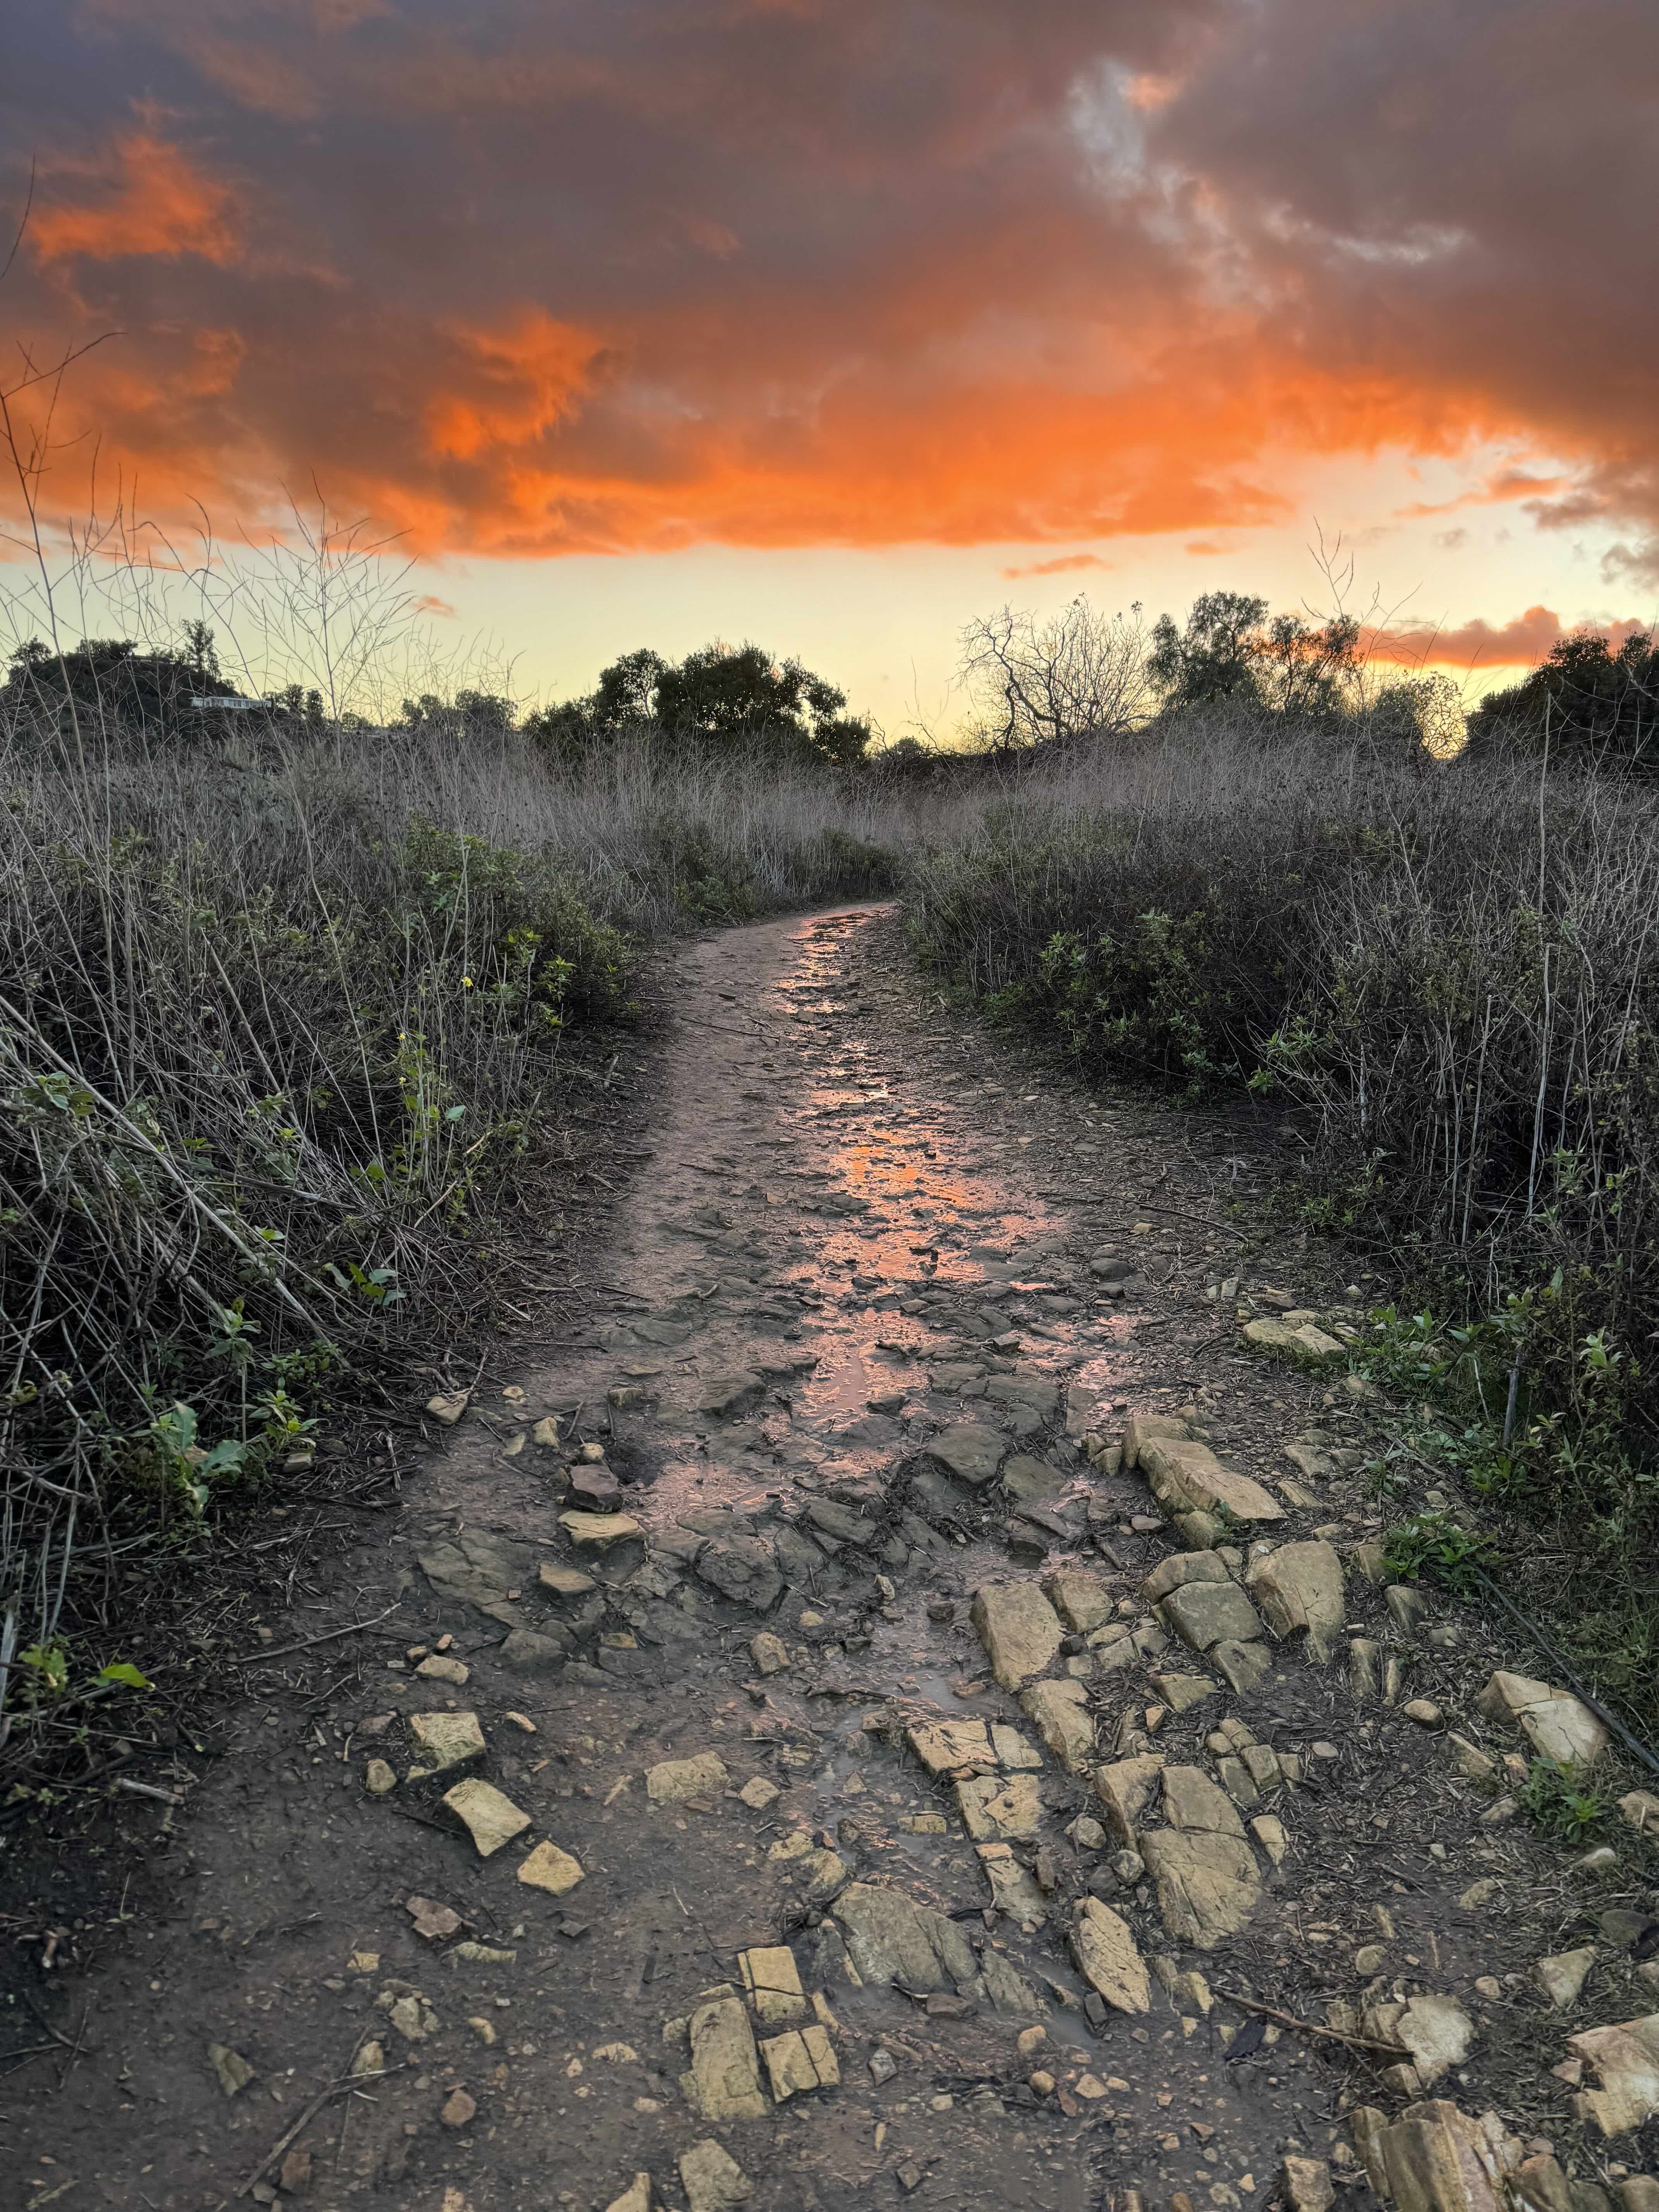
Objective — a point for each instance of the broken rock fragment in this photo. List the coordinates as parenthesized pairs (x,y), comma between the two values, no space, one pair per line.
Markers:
(549,1868)
(491,1818)
(1625,2060)
(634,2198)
(1019,1629)
(798,2060)
(1435,2158)
(713,2180)
(1205,1613)
(1563,1976)
(1553,1721)
(231,2069)
(673,1780)
(771,1982)
(1107,1957)
(944,1746)
(724,2083)
(970,1453)
(1060,1712)
(444,1739)
(1186,1477)
(994,1808)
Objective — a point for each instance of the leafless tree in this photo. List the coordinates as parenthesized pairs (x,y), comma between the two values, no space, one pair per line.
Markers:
(1079,674)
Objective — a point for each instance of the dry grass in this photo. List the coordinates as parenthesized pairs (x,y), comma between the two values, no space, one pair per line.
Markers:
(287,1033)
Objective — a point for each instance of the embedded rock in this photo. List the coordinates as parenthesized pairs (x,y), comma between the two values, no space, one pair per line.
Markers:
(1181,1568)
(1207,1614)
(994,1808)
(1107,1958)
(1553,1721)
(1059,1712)
(1193,1804)
(891,1938)
(970,1453)
(771,1982)
(1019,1629)
(446,1739)
(744,1568)
(549,1868)
(1299,1587)
(1186,1477)
(800,2059)
(944,1746)
(724,2083)
(711,2179)
(1625,2060)
(1083,1601)
(673,1780)
(1208,1883)
(1127,1789)
(1436,2159)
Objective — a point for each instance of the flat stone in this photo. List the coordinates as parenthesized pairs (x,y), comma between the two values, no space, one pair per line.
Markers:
(459,2110)
(1142,1428)
(724,2083)
(1246,1666)
(598,1532)
(996,1807)
(564,1581)
(448,1406)
(549,1868)
(892,1938)
(1127,1789)
(1083,1601)
(1179,1569)
(1182,1692)
(757,1793)
(1014,1754)
(1208,1885)
(1194,1804)
(1013,1890)
(636,2197)
(944,1746)
(673,1780)
(1625,2060)
(490,1819)
(431,1920)
(1436,2159)
(711,2179)
(841,1522)
(800,2060)
(1059,1712)
(478,1569)
(724,1394)
(231,2070)
(408,2013)
(771,1982)
(1207,1614)
(1639,1809)
(446,1739)
(744,1568)
(528,1651)
(438,1669)
(970,1453)
(1019,1629)
(1038,1392)
(1562,1976)
(1299,1587)
(1553,1721)
(1186,1477)
(1107,1960)
(1303,1340)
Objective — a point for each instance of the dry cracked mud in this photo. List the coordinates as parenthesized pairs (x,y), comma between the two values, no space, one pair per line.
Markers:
(905,1708)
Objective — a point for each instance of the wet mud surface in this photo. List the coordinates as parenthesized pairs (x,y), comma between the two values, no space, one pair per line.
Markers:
(693,1600)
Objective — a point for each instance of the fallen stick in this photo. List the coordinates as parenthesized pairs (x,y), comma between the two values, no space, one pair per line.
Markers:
(1307,2028)
(334,2089)
(282,1650)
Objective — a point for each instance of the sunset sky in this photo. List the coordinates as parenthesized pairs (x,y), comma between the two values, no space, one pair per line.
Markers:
(833,324)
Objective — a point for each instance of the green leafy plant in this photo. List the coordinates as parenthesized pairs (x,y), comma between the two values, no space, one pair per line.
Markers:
(1433,1547)
(1553,1797)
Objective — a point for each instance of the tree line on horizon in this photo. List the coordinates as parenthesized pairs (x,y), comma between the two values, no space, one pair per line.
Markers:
(1030,683)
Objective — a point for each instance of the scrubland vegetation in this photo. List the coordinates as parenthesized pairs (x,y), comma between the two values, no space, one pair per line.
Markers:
(298,1008)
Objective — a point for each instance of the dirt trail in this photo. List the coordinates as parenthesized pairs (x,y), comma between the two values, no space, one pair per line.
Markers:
(695,1596)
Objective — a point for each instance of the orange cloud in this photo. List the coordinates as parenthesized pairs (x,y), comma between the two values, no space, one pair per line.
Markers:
(156,202)
(531,281)
(1517,643)
(1066,565)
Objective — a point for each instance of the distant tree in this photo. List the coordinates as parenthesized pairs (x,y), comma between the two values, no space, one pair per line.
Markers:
(470,714)
(110,683)
(202,657)
(1588,701)
(1214,657)
(715,697)
(1080,674)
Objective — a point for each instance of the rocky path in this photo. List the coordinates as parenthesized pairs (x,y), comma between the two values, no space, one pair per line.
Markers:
(905,1707)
